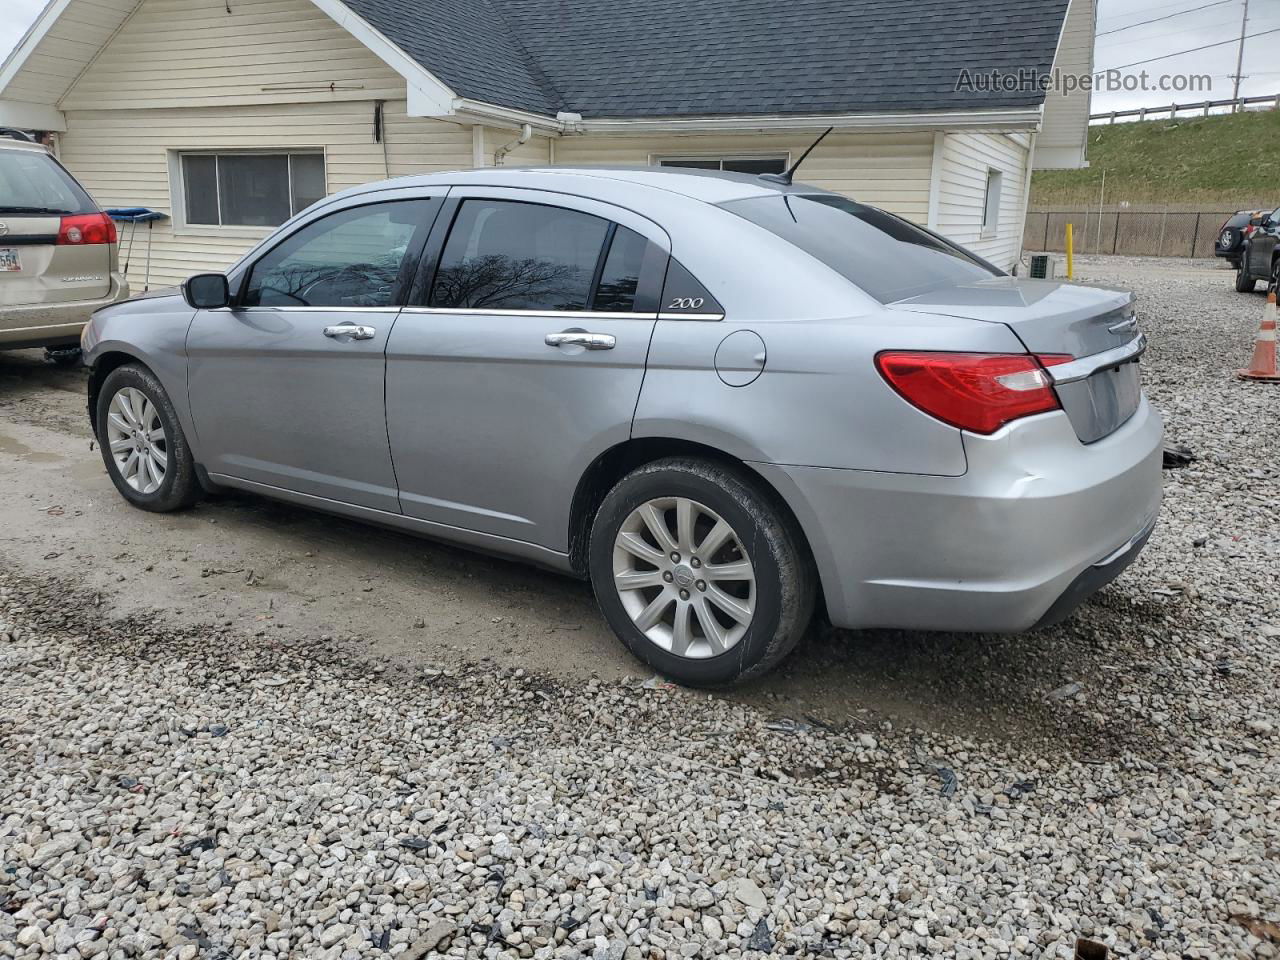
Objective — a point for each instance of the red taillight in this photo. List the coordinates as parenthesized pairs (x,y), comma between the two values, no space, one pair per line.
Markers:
(86,229)
(980,392)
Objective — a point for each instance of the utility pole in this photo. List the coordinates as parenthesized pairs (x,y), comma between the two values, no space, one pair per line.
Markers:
(1244,23)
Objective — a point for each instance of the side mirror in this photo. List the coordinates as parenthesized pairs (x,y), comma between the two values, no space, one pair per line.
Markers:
(207,291)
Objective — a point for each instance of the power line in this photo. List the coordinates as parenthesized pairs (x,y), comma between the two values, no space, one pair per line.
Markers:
(1221,43)
(1170,16)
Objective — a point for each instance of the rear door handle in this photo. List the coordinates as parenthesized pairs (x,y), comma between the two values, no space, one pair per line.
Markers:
(355,331)
(579,338)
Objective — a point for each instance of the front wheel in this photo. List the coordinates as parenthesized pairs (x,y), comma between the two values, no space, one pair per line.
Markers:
(699,573)
(1244,281)
(142,443)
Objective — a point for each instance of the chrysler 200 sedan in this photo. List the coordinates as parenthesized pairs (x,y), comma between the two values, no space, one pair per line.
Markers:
(723,399)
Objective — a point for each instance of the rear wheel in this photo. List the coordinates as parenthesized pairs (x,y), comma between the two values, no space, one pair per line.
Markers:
(142,443)
(1244,281)
(699,573)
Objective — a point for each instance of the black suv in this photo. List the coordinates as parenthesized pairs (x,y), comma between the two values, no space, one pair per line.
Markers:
(1260,256)
(1234,233)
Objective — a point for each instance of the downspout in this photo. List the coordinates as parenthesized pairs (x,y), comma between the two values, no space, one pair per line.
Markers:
(499,155)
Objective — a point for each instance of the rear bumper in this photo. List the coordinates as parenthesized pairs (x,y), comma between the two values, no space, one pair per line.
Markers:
(1037,523)
(40,324)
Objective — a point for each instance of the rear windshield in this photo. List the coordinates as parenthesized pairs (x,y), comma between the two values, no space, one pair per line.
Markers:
(885,256)
(35,183)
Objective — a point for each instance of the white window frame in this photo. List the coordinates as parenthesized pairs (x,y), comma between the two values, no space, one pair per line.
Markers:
(657,159)
(178,191)
(991,202)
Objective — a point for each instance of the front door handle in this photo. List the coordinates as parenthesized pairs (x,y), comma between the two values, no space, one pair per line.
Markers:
(579,338)
(355,331)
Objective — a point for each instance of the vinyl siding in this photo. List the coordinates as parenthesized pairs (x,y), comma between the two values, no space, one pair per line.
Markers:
(889,171)
(1063,137)
(134,169)
(193,53)
(61,54)
(962,186)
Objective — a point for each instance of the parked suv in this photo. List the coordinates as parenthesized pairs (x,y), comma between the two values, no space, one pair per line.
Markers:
(721,398)
(1234,233)
(1260,258)
(59,254)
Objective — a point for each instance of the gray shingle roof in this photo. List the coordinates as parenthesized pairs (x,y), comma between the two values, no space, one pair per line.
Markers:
(705,58)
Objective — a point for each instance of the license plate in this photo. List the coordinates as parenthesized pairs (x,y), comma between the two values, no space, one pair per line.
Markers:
(9,261)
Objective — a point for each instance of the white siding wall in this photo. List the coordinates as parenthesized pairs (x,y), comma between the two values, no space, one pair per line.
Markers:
(890,171)
(1063,139)
(962,185)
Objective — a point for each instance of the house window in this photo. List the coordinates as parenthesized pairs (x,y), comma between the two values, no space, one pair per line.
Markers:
(991,203)
(754,165)
(249,189)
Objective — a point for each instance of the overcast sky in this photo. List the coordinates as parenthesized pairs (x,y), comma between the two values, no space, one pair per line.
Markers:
(1206,23)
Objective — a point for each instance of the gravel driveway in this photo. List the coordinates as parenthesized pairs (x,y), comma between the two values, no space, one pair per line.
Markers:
(181,778)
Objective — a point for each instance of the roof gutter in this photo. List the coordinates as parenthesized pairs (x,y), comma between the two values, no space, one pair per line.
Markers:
(1022,118)
(493,115)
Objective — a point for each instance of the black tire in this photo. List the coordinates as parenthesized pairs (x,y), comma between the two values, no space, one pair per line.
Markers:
(180,487)
(1273,285)
(1244,282)
(62,356)
(784,578)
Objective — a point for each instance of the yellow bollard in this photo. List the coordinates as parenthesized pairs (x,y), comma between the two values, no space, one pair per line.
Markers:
(1071,263)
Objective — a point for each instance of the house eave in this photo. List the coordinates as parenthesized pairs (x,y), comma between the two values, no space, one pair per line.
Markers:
(490,114)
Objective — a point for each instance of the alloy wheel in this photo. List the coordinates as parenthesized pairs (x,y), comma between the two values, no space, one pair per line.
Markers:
(684,578)
(136,440)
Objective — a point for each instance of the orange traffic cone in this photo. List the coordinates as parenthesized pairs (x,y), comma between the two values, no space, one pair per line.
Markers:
(1264,348)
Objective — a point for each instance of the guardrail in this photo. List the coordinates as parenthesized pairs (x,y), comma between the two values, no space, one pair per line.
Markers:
(1173,109)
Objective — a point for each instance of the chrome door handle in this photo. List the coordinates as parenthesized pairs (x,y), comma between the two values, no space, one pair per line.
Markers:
(356,331)
(575,338)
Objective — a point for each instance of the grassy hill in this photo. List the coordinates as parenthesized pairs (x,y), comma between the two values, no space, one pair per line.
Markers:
(1228,161)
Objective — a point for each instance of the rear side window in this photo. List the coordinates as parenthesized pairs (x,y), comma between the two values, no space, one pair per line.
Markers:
(510,255)
(620,273)
(352,258)
(885,256)
(33,182)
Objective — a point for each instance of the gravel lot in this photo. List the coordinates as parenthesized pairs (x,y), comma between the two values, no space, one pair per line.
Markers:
(183,775)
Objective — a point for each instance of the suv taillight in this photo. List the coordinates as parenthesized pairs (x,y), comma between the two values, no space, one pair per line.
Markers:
(980,392)
(85,229)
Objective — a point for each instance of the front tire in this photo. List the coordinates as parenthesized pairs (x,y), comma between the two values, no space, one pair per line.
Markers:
(1244,282)
(142,443)
(699,572)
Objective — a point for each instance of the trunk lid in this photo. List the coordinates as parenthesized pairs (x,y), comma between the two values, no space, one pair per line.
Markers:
(1049,317)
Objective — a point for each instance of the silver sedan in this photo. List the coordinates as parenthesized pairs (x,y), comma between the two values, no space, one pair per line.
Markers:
(723,399)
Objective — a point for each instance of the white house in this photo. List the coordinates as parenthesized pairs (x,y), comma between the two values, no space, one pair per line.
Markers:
(229,115)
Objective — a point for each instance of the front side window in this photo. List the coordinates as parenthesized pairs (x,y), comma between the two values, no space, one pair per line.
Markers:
(250,189)
(352,258)
(509,255)
(885,256)
(755,165)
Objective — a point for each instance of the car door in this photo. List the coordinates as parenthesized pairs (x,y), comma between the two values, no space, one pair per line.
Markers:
(521,357)
(1263,246)
(286,385)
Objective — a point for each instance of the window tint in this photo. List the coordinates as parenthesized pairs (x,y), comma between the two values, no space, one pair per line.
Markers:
(620,277)
(350,259)
(33,180)
(684,293)
(887,257)
(250,189)
(507,255)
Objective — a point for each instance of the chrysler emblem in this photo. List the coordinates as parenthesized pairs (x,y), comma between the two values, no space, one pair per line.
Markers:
(4,229)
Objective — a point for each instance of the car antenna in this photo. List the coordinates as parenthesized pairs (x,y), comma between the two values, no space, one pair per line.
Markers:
(785,178)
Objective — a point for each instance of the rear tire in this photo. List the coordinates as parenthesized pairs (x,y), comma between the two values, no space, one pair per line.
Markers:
(737,560)
(151,463)
(1244,282)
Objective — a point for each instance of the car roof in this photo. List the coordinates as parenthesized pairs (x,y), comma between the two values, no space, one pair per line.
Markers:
(10,143)
(709,186)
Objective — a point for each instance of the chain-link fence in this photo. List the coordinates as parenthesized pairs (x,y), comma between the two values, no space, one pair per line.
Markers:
(1147,233)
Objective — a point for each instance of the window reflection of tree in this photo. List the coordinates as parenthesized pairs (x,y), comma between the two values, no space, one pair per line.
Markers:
(498,281)
(329,285)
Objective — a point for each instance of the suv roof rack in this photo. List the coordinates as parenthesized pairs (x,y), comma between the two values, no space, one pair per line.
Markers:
(15,134)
